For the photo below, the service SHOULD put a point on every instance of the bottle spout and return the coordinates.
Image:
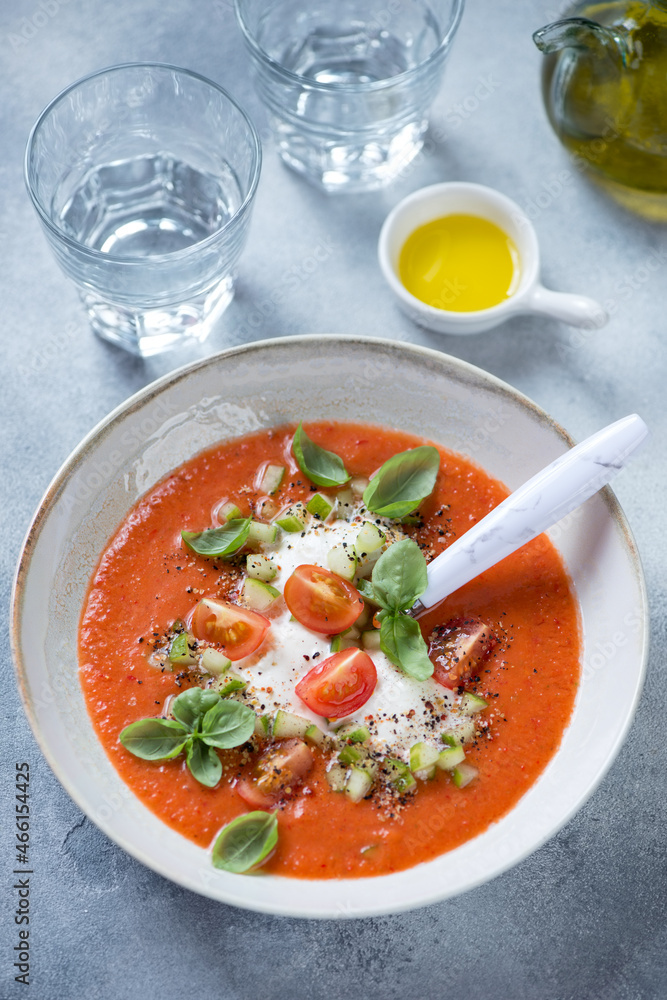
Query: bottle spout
(585, 35)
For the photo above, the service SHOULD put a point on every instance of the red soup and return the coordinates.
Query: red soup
(303, 582)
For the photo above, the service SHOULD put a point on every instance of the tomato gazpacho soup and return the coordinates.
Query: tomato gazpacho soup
(254, 666)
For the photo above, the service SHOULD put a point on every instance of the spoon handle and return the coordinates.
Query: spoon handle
(535, 506)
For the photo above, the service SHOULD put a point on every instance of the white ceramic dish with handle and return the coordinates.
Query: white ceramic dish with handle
(267, 384)
(529, 297)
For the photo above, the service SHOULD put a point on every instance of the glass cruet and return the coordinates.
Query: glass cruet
(605, 92)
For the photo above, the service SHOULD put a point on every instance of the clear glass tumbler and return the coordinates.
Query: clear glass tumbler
(143, 177)
(348, 83)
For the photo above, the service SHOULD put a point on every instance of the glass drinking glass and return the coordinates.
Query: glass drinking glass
(143, 177)
(348, 83)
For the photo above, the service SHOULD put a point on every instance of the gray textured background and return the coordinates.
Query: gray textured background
(584, 917)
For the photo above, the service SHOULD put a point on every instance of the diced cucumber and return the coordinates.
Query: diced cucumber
(366, 565)
(290, 523)
(464, 774)
(369, 539)
(293, 518)
(358, 784)
(342, 561)
(183, 648)
(258, 596)
(463, 732)
(266, 510)
(352, 755)
(337, 776)
(369, 766)
(259, 567)
(289, 726)
(400, 775)
(471, 704)
(450, 758)
(354, 732)
(345, 507)
(262, 534)
(272, 478)
(228, 512)
(423, 758)
(314, 735)
(358, 485)
(371, 639)
(263, 726)
(230, 684)
(364, 618)
(343, 641)
(320, 506)
(214, 662)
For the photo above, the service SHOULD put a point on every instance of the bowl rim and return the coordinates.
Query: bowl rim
(235, 896)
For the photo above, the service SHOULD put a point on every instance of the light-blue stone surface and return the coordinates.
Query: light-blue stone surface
(584, 918)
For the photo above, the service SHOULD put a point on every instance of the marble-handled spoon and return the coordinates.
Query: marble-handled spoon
(534, 507)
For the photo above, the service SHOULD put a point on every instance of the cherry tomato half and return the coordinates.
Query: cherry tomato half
(339, 685)
(279, 768)
(238, 630)
(457, 648)
(322, 601)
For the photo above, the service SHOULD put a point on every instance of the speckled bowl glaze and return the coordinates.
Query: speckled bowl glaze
(266, 384)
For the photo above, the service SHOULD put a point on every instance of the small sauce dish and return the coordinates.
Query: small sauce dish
(526, 293)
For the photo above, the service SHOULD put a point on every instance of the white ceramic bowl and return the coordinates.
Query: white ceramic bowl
(266, 384)
(530, 295)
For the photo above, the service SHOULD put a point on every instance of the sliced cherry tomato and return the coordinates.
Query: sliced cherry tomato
(339, 685)
(457, 649)
(237, 630)
(322, 601)
(278, 769)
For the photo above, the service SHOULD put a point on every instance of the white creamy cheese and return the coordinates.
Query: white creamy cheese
(400, 712)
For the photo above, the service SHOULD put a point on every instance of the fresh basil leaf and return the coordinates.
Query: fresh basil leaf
(154, 739)
(245, 842)
(402, 641)
(223, 541)
(194, 703)
(322, 467)
(366, 589)
(399, 576)
(204, 763)
(403, 482)
(228, 724)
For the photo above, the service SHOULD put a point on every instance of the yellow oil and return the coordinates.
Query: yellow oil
(459, 263)
(613, 117)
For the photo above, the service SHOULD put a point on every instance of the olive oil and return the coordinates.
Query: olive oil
(461, 263)
(605, 92)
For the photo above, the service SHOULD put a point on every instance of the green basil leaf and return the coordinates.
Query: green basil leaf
(245, 842)
(322, 467)
(403, 482)
(366, 589)
(154, 739)
(194, 703)
(204, 763)
(399, 576)
(402, 641)
(223, 541)
(228, 724)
